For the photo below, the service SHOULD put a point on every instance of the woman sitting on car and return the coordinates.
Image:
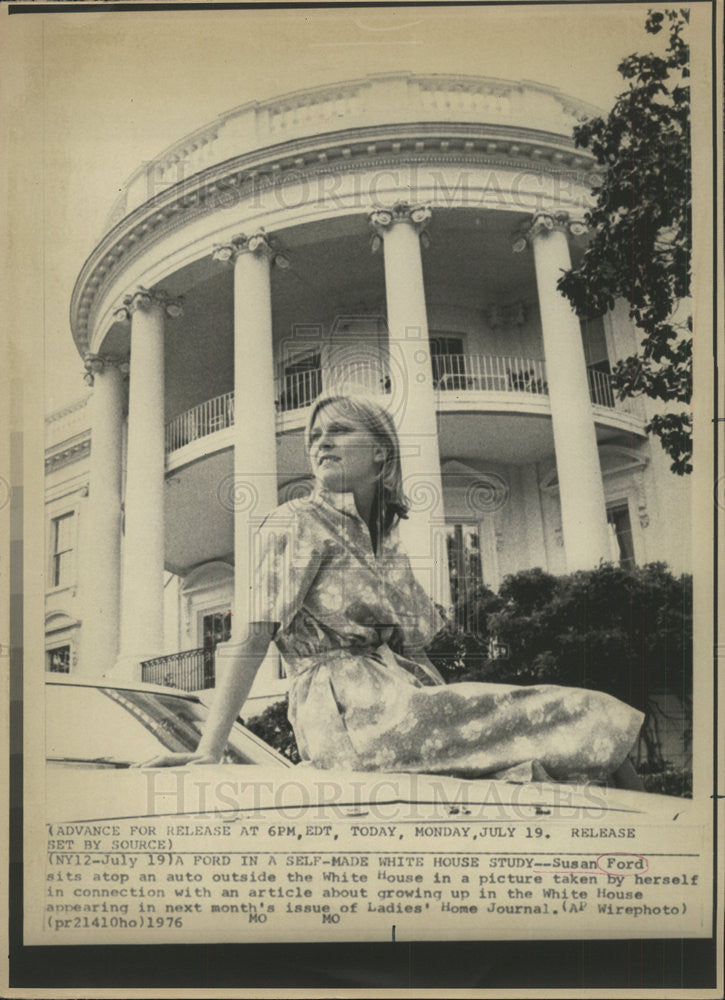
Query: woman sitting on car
(334, 589)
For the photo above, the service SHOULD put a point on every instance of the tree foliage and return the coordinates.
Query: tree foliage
(461, 651)
(273, 726)
(642, 229)
(627, 632)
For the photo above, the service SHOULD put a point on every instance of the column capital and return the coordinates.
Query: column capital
(261, 244)
(542, 223)
(382, 218)
(95, 364)
(144, 299)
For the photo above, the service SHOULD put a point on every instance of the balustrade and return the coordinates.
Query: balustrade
(189, 670)
(488, 373)
(602, 392)
(367, 101)
(452, 373)
(208, 417)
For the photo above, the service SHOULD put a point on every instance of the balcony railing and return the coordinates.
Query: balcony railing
(485, 373)
(206, 418)
(452, 373)
(602, 392)
(600, 388)
(297, 390)
(190, 670)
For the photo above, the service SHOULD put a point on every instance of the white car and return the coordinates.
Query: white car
(104, 725)
(97, 727)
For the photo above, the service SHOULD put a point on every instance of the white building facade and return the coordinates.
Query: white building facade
(399, 233)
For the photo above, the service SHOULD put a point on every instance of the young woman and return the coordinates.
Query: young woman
(334, 589)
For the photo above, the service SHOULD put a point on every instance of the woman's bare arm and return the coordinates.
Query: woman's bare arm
(240, 662)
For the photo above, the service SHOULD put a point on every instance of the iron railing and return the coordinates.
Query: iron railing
(189, 670)
(452, 373)
(208, 417)
(489, 373)
(297, 390)
(602, 392)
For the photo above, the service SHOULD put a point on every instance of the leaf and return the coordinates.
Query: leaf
(641, 247)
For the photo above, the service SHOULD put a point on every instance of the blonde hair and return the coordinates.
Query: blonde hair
(392, 501)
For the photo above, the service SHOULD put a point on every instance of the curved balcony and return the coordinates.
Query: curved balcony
(456, 378)
(453, 373)
(207, 418)
(297, 390)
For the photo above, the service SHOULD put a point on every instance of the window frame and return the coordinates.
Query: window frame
(56, 554)
(215, 609)
(56, 646)
(438, 335)
(623, 502)
(294, 392)
(479, 526)
(56, 513)
(437, 369)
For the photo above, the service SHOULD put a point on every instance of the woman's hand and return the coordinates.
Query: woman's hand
(242, 660)
(179, 759)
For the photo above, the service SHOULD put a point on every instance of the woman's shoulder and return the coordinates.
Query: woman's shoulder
(296, 527)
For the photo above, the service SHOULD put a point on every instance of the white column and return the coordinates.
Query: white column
(534, 525)
(142, 593)
(414, 400)
(252, 492)
(101, 569)
(581, 493)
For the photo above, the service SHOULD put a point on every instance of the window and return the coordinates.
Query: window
(464, 566)
(594, 342)
(446, 355)
(302, 381)
(62, 550)
(597, 359)
(57, 661)
(441, 344)
(216, 627)
(620, 535)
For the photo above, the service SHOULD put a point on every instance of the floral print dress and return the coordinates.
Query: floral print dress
(346, 618)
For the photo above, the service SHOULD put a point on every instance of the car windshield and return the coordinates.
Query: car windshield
(115, 727)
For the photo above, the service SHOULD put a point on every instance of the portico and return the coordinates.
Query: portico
(233, 313)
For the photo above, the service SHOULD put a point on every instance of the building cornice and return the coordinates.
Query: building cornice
(65, 411)
(313, 110)
(73, 450)
(301, 160)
